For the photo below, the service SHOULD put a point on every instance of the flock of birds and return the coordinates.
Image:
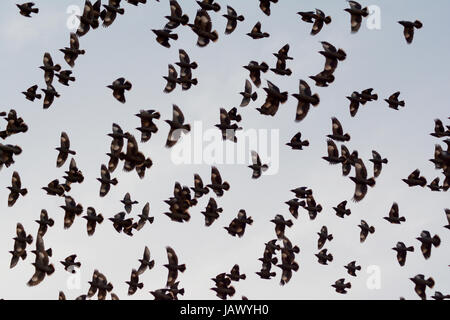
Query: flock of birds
(279, 252)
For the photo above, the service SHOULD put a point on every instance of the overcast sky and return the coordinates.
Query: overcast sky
(86, 110)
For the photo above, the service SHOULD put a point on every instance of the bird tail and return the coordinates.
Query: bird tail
(274, 260)
(128, 85)
(316, 98)
(121, 11)
(214, 36)
(182, 268)
(194, 65)
(242, 277)
(328, 20)
(330, 237)
(114, 181)
(305, 143)
(401, 103)
(375, 97)
(436, 241)
(385, 161)
(302, 203)
(29, 239)
(365, 12)
(319, 208)
(173, 36)
(418, 24)
(240, 18)
(194, 81)
(254, 96)
(49, 252)
(296, 249)
(181, 292)
(358, 268)
(289, 223)
(348, 285)
(100, 218)
(402, 219)
(430, 282)
(226, 186)
(342, 54)
(330, 257)
(410, 249)
(151, 219)
(372, 229)
(264, 67)
(38, 96)
(35, 10)
(184, 19)
(57, 67)
(51, 222)
(51, 269)
(140, 285)
(23, 191)
(371, 182)
(3, 134)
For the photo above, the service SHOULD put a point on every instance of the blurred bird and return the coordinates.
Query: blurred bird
(105, 181)
(144, 218)
(393, 101)
(365, 230)
(211, 212)
(255, 69)
(408, 29)
(421, 284)
(92, 219)
(248, 95)
(361, 181)
(352, 268)
(341, 286)
(44, 222)
(323, 237)
(232, 19)
(428, 242)
(26, 9)
(377, 163)
(176, 16)
(50, 94)
(49, 68)
(15, 189)
(20, 244)
(127, 202)
(163, 36)
(264, 5)
(64, 150)
(324, 257)
(202, 26)
(257, 166)
(41, 264)
(357, 12)
(332, 56)
(237, 225)
(118, 87)
(280, 225)
(273, 100)
(394, 215)
(414, 179)
(177, 127)
(402, 251)
(71, 209)
(341, 211)
(256, 32)
(71, 53)
(338, 133)
(133, 283)
(318, 18)
(173, 266)
(109, 14)
(305, 99)
(31, 94)
(70, 264)
(216, 183)
(146, 263)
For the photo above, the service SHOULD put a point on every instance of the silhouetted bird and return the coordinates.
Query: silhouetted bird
(134, 283)
(434, 185)
(323, 237)
(256, 32)
(198, 188)
(64, 77)
(257, 166)
(49, 68)
(421, 284)
(31, 94)
(318, 18)
(402, 251)
(355, 101)
(71, 209)
(15, 189)
(323, 78)
(361, 181)
(408, 29)
(305, 99)
(176, 16)
(99, 285)
(216, 183)
(127, 202)
(173, 266)
(64, 150)
(122, 224)
(172, 79)
(377, 163)
(341, 286)
(296, 142)
(70, 264)
(74, 175)
(333, 153)
(50, 94)
(248, 95)
(144, 218)
(264, 5)
(273, 100)
(105, 181)
(89, 18)
(118, 87)
(282, 57)
(235, 275)
(428, 242)
(324, 257)
(357, 12)
(341, 211)
(202, 26)
(237, 225)
(255, 71)
(92, 219)
(349, 160)
(365, 230)
(211, 212)
(164, 35)
(109, 14)
(20, 244)
(439, 130)
(209, 5)
(147, 127)
(228, 129)
(146, 263)
(41, 264)
(338, 133)
(414, 179)
(302, 192)
(352, 268)
(332, 56)
(71, 53)
(393, 101)
(294, 204)
(280, 225)
(232, 19)
(185, 64)
(44, 222)
(26, 9)
(439, 296)
(177, 127)
(311, 206)
(394, 215)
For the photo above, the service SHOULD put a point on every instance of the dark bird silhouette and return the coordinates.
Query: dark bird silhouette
(256, 32)
(15, 189)
(352, 268)
(202, 26)
(118, 87)
(92, 219)
(324, 257)
(105, 181)
(172, 79)
(357, 12)
(133, 283)
(248, 95)
(185, 64)
(257, 166)
(323, 78)
(421, 284)
(71, 53)
(122, 224)
(64, 150)
(434, 185)
(89, 18)
(109, 14)
(333, 153)
(232, 19)
(264, 5)
(302, 192)
(415, 179)
(361, 181)
(349, 160)
(146, 263)
(44, 222)
(341, 286)
(408, 29)
(439, 296)
(133, 158)
(209, 5)
(365, 230)
(137, 2)
(198, 188)
(393, 101)
(64, 77)
(216, 183)
(273, 100)
(54, 188)
(332, 56)
(41, 264)
(235, 274)
(147, 127)
(212, 212)
(378, 162)
(439, 130)
(223, 288)
(228, 129)
(70, 264)
(255, 69)
(99, 285)
(173, 267)
(7, 153)
(144, 218)
(50, 94)
(15, 125)
(296, 142)
(280, 225)
(368, 95)
(294, 204)
(176, 16)
(305, 100)
(163, 36)
(237, 225)
(318, 18)
(355, 101)
(31, 94)
(402, 251)
(127, 202)
(20, 244)
(341, 210)
(282, 56)
(323, 237)
(26, 9)
(338, 133)
(311, 206)
(49, 68)
(394, 215)
(71, 209)
(177, 127)
(118, 137)
(74, 175)
(428, 242)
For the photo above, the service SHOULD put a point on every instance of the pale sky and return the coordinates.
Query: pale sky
(86, 110)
